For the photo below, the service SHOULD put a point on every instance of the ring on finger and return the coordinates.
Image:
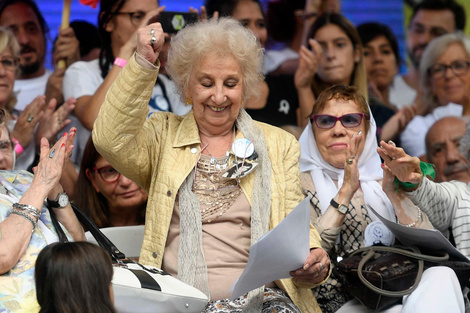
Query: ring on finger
(52, 153)
(30, 118)
(152, 40)
(321, 267)
(392, 158)
(349, 161)
(352, 157)
(152, 32)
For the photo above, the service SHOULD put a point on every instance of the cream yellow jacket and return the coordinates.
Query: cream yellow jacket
(159, 152)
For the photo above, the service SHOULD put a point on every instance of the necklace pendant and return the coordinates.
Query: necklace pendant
(224, 167)
(217, 166)
(212, 160)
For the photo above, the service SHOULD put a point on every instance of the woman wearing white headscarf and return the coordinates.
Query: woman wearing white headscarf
(341, 173)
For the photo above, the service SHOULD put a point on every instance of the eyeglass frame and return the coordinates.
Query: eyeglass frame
(16, 63)
(131, 16)
(12, 144)
(445, 66)
(99, 170)
(316, 116)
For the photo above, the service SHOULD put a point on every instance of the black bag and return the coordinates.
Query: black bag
(379, 276)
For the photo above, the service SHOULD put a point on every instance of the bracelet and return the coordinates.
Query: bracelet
(120, 62)
(18, 147)
(28, 209)
(415, 222)
(26, 216)
(426, 168)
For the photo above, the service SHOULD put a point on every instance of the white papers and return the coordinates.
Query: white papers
(282, 250)
(427, 239)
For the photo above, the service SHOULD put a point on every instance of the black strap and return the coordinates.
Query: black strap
(100, 238)
(146, 281)
(55, 223)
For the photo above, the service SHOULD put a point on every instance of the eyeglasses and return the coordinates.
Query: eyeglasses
(9, 63)
(6, 146)
(136, 17)
(108, 173)
(459, 68)
(350, 120)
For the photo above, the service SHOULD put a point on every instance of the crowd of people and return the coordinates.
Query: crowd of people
(210, 137)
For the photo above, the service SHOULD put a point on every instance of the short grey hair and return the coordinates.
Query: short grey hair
(432, 52)
(464, 147)
(221, 37)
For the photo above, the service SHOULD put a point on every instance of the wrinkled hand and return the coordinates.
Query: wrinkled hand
(312, 272)
(308, 64)
(54, 86)
(52, 160)
(405, 167)
(53, 121)
(24, 129)
(66, 47)
(144, 47)
(351, 171)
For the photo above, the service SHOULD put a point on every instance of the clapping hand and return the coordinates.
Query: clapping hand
(27, 121)
(308, 64)
(404, 167)
(52, 160)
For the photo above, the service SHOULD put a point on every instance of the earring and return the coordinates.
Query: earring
(189, 101)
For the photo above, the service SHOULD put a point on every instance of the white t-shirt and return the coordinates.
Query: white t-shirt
(413, 137)
(84, 78)
(274, 58)
(28, 89)
(401, 93)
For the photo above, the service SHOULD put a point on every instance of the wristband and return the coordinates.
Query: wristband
(18, 148)
(426, 168)
(120, 62)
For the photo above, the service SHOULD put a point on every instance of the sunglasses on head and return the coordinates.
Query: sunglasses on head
(350, 120)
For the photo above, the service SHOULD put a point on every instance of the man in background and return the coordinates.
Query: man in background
(25, 20)
(442, 149)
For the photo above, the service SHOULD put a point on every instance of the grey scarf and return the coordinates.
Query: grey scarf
(192, 268)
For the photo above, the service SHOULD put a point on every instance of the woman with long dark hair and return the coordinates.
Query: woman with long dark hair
(74, 277)
(107, 197)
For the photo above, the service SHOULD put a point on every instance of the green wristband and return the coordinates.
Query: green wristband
(426, 168)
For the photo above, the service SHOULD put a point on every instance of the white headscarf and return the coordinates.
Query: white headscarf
(323, 174)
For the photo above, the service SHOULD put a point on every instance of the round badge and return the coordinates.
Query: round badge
(377, 233)
(242, 148)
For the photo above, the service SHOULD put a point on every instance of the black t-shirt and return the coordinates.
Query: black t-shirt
(282, 103)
